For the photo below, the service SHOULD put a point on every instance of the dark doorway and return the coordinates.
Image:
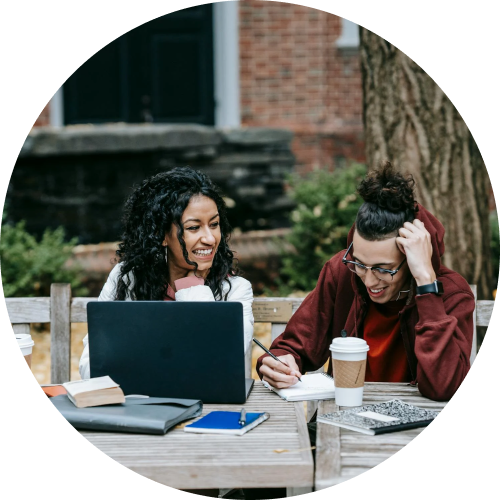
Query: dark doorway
(159, 72)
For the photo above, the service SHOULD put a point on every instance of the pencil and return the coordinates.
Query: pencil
(271, 354)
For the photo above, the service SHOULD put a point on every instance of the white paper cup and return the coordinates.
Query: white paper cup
(25, 343)
(349, 367)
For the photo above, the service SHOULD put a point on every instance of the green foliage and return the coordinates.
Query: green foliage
(495, 245)
(327, 204)
(30, 266)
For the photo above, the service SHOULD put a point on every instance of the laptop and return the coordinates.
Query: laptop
(191, 350)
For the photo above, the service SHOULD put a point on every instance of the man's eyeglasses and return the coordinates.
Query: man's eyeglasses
(361, 269)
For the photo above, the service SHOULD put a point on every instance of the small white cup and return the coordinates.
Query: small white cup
(25, 343)
(349, 366)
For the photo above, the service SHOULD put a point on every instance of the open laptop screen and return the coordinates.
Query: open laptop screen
(170, 349)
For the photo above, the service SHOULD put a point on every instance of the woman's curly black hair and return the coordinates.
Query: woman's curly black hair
(148, 215)
(388, 203)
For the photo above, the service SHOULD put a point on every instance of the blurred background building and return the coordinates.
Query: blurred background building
(230, 64)
(250, 92)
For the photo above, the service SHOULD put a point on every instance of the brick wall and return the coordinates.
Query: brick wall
(293, 76)
(44, 118)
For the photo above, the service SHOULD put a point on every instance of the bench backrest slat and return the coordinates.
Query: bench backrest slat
(484, 310)
(79, 309)
(60, 310)
(29, 309)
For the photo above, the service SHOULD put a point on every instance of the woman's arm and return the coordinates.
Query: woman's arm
(108, 293)
(241, 291)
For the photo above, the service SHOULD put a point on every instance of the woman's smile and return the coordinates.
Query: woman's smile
(202, 235)
(204, 254)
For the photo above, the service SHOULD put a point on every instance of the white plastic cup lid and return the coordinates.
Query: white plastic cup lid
(349, 344)
(24, 340)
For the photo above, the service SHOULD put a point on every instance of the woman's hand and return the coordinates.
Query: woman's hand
(277, 374)
(415, 242)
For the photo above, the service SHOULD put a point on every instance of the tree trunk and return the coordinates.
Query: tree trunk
(410, 122)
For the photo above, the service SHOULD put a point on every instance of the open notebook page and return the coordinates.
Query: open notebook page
(313, 386)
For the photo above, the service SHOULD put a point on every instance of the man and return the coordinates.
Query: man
(390, 288)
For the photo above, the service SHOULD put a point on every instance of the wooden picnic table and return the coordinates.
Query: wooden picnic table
(342, 454)
(195, 461)
(199, 461)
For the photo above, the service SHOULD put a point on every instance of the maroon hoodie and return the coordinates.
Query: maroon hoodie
(437, 330)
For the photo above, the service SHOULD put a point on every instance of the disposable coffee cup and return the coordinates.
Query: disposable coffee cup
(25, 343)
(349, 367)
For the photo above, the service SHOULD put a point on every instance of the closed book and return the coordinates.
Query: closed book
(391, 416)
(137, 415)
(52, 390)
(94, 392)
(226, 422)
(314, 386)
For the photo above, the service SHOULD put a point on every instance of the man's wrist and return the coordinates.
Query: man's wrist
(436, 287)
(425, 279)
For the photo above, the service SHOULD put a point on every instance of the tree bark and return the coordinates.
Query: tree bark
(409, 121)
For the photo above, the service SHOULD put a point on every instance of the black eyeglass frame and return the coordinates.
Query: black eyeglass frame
(390, 272)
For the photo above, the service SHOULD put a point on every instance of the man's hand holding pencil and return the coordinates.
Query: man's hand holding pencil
(279, 371)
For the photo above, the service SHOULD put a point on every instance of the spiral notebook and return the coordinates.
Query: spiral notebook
(313, 386)
(391, 416)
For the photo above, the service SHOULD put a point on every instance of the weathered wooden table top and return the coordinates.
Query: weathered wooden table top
(191, 461)
(342, 454)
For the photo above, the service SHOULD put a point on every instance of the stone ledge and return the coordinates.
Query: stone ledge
(117, 138)
(257, 136)
(203, 141)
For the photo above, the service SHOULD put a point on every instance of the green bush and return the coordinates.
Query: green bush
(327, 204)
(29, 266)
(495, 245)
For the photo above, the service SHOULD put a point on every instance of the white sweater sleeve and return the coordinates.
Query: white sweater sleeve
(241, 291)
(107, 294)
(198, 293)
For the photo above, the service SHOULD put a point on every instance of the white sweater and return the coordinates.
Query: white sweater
(241, 291)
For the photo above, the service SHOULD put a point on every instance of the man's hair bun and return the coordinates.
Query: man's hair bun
(388, 189)
(389, 203)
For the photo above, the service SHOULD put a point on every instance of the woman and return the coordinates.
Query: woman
(175, 247)
(390, 288)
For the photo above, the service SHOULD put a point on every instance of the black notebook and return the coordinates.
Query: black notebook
(138, 415)
(392, 416)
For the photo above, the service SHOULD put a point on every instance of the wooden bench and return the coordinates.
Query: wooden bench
(61, 309)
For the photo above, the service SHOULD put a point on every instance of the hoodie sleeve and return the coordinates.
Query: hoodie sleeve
(306, 336)
(443, 342)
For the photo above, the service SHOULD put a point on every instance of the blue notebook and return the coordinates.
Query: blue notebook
(226, 422)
